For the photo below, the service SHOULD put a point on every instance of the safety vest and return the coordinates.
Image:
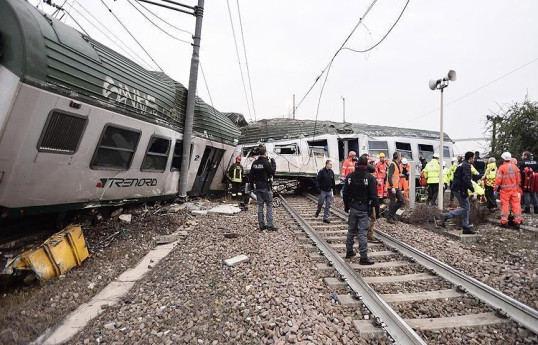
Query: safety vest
(508, 176)
(491, 173)
(451, 172)
(237, 173)
(347, 167)
(445, 176)
(477, 189)
(381, 170)
(395, 176)
(473, 170)
(432, 171)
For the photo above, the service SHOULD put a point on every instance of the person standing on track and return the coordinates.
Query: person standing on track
(509, 180)
(261, 175)
(360, 193)
(326, 185)
(393, 186)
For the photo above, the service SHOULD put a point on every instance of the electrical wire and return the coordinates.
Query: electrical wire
(157, 26)
(109, 10)
(338, 51)
(72, 18)
(239, 60)
(473, 91)
(246, 60)
(164, 21)
(206, 86)
(382, 39)
(133, 57)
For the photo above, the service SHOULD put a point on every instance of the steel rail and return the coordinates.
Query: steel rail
(398, 329)
(517, 311)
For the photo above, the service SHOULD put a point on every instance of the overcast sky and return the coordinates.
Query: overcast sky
(289, 43)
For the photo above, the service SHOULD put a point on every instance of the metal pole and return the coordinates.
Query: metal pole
(441, 194)
(294, 106)
(344, 108)
(189, 115)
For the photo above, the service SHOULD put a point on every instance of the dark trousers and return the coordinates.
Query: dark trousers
(433, 190)
(395, 205)
(490, 197)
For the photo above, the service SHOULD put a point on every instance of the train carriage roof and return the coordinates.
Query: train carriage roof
(281, 129)
(49, 54)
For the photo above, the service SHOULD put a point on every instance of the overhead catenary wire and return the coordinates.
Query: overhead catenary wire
(157, 26)
(471, 92)
(126, 50)
(246, 60)
(162, 20)
(239, 60)
(132, 36)
(206, 86)
(383, 38)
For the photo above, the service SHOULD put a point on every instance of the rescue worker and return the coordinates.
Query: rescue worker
(404, 179)
(393, 186)
(373, 210)
(445, 176)
(461, 186)
(423, 163)
(479, 165)
(348, 166)
(381, 175)
(455, 161)
(326, 185)
(489, 177)
(509, 180)
(261, 175)
(432, 174)
(359, 195)
(235, 173)
(529, 172)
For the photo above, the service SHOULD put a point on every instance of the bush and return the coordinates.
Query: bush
(423, 214)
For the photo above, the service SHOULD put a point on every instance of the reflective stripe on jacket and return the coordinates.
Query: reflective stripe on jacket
(432, 171)
(395, 177)
(508, 176)
(347, 167)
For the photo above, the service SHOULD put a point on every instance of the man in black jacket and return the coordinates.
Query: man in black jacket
(261, 173)
(326, 185)
(528, 167)
(360, 193)
(460, 187)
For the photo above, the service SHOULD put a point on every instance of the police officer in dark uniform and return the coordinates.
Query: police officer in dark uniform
(261, 174)
(360, 193)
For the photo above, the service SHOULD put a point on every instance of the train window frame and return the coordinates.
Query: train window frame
(46, 127)
(430, 153)
(250, 150)
(155, 154)
(106, 126)
(314, 147)
(297, 151)
(374, 152)
(446, 148)
(174, 155)
(408, 154)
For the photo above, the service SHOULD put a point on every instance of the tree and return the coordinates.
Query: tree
(514, 130)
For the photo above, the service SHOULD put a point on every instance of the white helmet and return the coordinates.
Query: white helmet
(454, 159)
(506, 156)
(444, 164)
(435, 155)
(404, 161)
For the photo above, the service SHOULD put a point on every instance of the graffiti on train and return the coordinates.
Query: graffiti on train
(126, 182)
(129, 96)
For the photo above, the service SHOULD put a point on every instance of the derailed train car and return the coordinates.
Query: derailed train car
(301, 147)
(83, 126)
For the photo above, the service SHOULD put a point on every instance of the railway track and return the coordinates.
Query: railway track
(406, 293)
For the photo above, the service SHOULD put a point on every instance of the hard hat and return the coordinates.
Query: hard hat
(453, 159)
(435, 155)
(352, 153)
(506, 156)
(381, 155)
(404, 161)
(238, 159)
(444, 163)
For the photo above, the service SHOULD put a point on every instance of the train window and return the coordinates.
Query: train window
(446, 151)
(178, 156)
(377, 147)
(405, 150)
(425, 151)
(116, 148)
(318, 148)
(291, 149)
(157, 155)
(62, 133)
(250, 151)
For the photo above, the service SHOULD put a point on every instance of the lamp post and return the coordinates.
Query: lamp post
(344, 108)
(440, 84)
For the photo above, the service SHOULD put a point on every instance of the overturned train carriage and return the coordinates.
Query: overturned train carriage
(83, 126)
(301, 147)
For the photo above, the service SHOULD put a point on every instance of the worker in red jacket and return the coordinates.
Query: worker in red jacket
(509, 180)
(349, 165)
(381, 175)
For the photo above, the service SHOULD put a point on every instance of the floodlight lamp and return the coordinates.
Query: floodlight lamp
(451, 75)
(433, 83)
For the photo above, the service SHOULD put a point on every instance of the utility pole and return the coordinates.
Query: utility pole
(189, 116)
(294, 106)
(493, 120)
(344, 108)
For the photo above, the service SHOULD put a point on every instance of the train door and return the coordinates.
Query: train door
(206, 170)
(346, 145)
(319, 151)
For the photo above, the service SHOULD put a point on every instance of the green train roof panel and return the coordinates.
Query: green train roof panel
(282, 129)
(49, 54)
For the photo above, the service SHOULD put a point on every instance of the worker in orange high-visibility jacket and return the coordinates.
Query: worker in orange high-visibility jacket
(349, 165)
(404, 179)
(381, 175)
(509, 179)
